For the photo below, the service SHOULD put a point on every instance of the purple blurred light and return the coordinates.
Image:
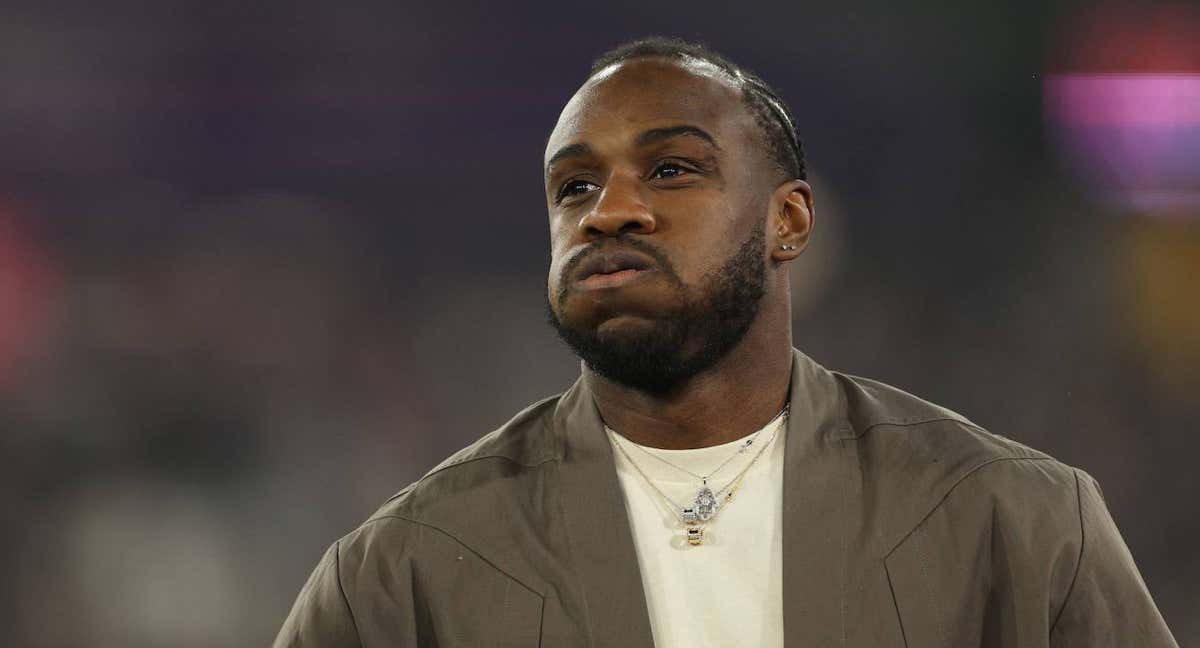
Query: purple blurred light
(1134, 137)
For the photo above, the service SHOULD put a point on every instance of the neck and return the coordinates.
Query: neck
(739, 394)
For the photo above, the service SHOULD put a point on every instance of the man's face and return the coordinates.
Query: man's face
(655, 186)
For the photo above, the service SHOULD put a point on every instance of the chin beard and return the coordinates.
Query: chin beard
(662, 355)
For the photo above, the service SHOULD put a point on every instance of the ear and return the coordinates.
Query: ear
(791, 219)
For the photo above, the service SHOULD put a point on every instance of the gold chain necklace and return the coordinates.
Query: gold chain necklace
(706, 504)
(741, 449)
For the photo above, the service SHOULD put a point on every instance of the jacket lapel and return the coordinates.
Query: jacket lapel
(601, 541)
(819, 491)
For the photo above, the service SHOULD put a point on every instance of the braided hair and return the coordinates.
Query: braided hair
(770, 113)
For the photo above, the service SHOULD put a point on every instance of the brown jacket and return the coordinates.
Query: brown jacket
(904, 524)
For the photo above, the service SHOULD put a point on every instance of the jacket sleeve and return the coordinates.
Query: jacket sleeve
(321, 615)
(1108, 604)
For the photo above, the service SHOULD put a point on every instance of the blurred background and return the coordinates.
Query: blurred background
(262, 266)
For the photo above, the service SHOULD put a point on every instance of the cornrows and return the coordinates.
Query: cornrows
(769, 110)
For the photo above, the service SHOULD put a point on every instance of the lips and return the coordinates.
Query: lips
(609, 263)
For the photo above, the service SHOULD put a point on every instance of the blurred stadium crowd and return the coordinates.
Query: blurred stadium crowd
(262, 267)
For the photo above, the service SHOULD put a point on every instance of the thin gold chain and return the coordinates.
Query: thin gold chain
(740, 450)
(735, 482)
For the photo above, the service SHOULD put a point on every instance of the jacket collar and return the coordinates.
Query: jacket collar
(818, 489)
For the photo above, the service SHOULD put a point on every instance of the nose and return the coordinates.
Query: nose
(619, 209)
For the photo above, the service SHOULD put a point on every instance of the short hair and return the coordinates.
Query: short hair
(774, 120)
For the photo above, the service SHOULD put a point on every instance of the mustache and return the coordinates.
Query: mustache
(621, 241)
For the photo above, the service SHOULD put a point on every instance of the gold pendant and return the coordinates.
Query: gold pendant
(695, 535)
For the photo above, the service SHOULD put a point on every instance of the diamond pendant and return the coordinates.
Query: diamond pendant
(706, 504)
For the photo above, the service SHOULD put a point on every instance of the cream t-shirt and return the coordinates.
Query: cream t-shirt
(727, 591)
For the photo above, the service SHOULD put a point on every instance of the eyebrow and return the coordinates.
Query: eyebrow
(656, 135)
(652, 136)
(569, 151)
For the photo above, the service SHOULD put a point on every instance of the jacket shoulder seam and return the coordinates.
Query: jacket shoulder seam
(492, 455)
(458, 540)
(408, 490)
(337, 569)
(945, 496)
(464, 462)
(910, 422)
(1079, 560)
(1010, 445)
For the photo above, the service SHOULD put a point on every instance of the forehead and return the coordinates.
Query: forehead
(631, 96)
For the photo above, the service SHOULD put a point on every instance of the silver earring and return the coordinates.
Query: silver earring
(787, 247)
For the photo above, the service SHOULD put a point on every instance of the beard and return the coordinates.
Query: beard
(689, 339)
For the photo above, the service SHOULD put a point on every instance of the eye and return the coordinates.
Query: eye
(669, 170)
(575, 188)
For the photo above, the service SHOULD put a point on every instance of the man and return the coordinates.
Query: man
(703, 483)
